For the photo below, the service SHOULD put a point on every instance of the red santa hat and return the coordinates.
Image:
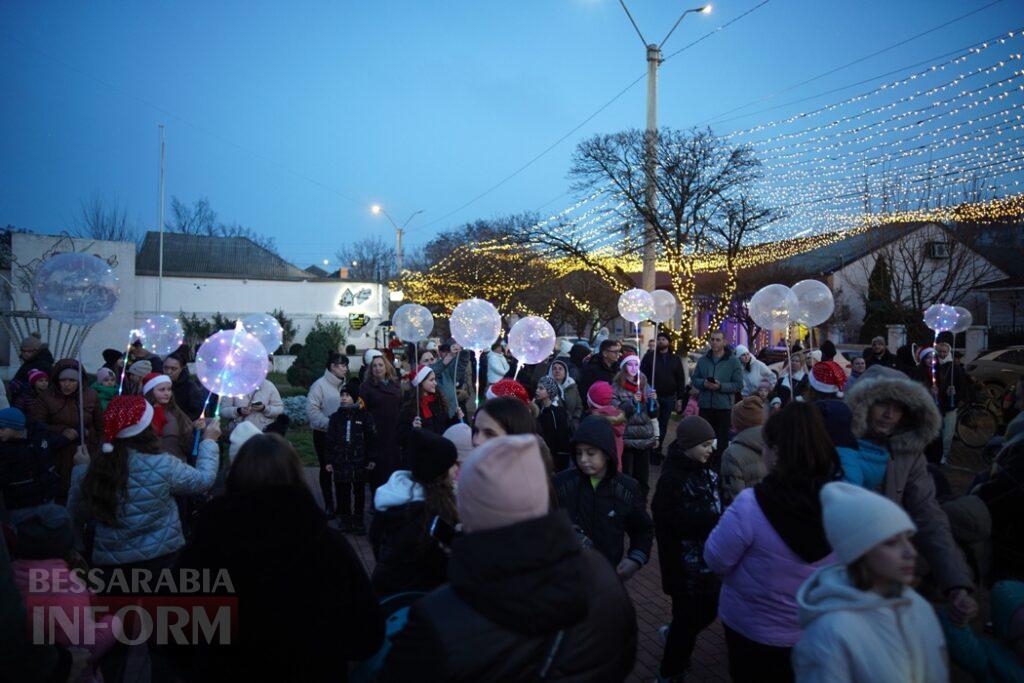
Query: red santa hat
(828, 378)
(508, 387)
(125, 417)
(153, 380)
(421, 374)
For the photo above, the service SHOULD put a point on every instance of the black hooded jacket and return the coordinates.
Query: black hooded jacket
(304, 604)
(188, 393)
(525, 603)
(615, 508)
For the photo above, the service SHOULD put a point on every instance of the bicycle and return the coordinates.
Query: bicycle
(978, 420)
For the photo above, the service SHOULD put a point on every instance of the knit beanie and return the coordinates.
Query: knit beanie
(460, 434)
(693, 431)
(600, 394)
(748, 413)
(503, 482)
(551, 386)
(369, 355)
(741, 349)
(36, 375)
(111, 356)
(105, 373)
(140, 369)
(856, 519)
(432, 455)
(508, 387)
(12, 418)
(242, 432)
(45, 534)
(125, 417)
(31, 343)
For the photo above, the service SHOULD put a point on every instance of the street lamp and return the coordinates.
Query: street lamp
(378, 209)
(653, 61)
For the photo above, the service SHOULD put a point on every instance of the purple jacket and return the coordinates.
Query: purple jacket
(760, 574)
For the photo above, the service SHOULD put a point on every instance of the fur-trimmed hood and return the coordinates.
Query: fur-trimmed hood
(921, 421)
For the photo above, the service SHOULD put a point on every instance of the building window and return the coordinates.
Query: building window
(938, 250)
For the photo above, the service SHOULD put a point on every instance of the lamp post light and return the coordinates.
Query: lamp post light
(399, 231)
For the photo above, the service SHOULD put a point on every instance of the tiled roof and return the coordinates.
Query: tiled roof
(205, 256)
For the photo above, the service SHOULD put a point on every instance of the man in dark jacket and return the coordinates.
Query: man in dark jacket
(139, 352)
(669, 382)
(602, 365)
(878, 354)
(28, 473)
(525, 602)
(188, 393)
(718, 377)
(605, 504)
(34, 356)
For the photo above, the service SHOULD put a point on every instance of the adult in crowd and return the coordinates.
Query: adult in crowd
(408, 558)
(382, 395)
(577, 356)
(502, 416)
(670, 382)
(857, 367)
(863, 621)
(686, 507)
(60, 415)
(769, 541)
(793, 383)
(34, 356)
(634, 397)
(445, 368)
(189, 394)
(263, 408)
(908, 358)
(949, 390)
(127, 495)
(605, 504)
(602, 365)
(1001, 493)
(304, 597)
(171, 425)
(113, 360)
(718, 377)
(553, 421)
(524, 600)
(878, 354)
(322, 401)
(135, 376)
(825, 381)
(560, 371)
(137, 352)
(497, 364)
(743, 464)
(427, 407)
(892, 412)
(755, 372)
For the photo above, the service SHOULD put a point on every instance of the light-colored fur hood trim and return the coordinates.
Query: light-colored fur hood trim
(921, 422)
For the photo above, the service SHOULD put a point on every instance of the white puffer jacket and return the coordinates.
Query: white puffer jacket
(854, 635)
(752, 378)
(323, 400)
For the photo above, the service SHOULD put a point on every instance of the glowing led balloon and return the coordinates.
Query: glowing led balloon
(940, 317)
(773, 307)
(531, 340)
(475, 324)
(665, 305)
(265, 328)
(413, 323)
(815, 302)
(964, 320)
(76, 288)
(636, 306)
(161, 334)
(232, 362)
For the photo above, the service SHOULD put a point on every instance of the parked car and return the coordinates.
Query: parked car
(998, 370)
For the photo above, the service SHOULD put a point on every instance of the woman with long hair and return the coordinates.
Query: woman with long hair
(411, 507)
(769, 541)
(639, 403)
(427, 408)
(60, 414)
(382, 394)
(502, 416)
(170, 423)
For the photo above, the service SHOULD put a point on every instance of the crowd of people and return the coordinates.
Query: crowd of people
(508, 508)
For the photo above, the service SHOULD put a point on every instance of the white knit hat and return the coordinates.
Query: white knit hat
(370, 354)
(856, 519)
(242, 432)
(741, 349)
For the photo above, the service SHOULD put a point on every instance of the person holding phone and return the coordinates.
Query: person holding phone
(262, 407)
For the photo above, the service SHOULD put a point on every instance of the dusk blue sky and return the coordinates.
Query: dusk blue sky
(293, 118)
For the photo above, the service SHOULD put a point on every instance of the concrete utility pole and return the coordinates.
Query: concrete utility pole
(160, 273)
(399, 231)
(648, 278)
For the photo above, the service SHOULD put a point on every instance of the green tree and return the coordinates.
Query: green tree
(323, 339)
(196, 331)
(879, 310)
(288, 329)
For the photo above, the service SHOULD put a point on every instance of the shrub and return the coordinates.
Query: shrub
(295, 409)
(295, 349)
(310, 362)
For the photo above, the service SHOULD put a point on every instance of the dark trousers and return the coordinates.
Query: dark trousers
(721, 422)
(320, 446)
(691, 614)
(346, 491)
(751, 662)
(636, 462)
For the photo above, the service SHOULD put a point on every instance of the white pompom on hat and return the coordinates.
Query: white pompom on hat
(856, 519)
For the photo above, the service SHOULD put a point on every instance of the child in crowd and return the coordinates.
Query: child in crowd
(599, 400)
(605, 504)
(553, 421)
(43, 572)
(862, 620)
(992, 660)
(350, 454)
(28, 475)
(105, 386)
(743, 464)
(686, 507)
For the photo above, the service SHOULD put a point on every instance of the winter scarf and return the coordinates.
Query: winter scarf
(794, 511)
(105, 393)
(426, 401)
(159, 419)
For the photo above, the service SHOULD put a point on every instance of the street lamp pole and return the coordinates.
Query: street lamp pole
(399, 231)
